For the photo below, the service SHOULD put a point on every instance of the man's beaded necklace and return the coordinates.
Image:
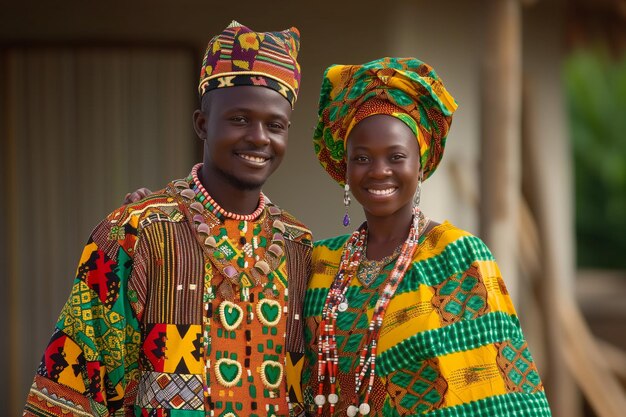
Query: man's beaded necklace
(215, 208)
(327, 355)
(208, 220)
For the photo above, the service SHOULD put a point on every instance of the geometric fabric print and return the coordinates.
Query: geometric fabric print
(47, 398)
(517, 367)
(153, 349)
(64, 362)
(99, 273)
(95, 375)
(102, 334)
(117, 233)
(173, 348)
(183, 345)
(293, 373)
(461, 296)
(418, 389)
(170, 391)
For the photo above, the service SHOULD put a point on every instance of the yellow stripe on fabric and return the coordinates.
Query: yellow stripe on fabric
(322, 280)
(497, 300)
(447, 235)
(181, 347)
(408, 314)
(471, 375)
(324, 271)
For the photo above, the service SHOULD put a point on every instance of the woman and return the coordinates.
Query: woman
(405, 316)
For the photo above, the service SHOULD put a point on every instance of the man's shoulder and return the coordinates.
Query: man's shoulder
(295, 230)
(158, 206)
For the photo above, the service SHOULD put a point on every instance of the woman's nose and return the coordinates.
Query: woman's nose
(380, 169)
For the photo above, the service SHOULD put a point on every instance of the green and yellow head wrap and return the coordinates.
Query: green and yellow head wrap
(405, 88)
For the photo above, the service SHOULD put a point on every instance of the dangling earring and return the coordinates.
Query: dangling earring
(418, 193)
(346, 203)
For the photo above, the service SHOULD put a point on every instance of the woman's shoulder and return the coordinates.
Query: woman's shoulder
(446, 237)
(329, 249)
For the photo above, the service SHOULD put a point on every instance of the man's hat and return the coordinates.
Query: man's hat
(240, 56)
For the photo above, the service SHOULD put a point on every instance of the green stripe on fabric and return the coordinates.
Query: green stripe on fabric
(316, 297)
(456, 257)
(507, 405)
(273, 61)
(314, 302)
(332, 243)
(460, 336)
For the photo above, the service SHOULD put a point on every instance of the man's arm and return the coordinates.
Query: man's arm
(92, 354)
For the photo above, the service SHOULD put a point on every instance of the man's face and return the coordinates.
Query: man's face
(245, 131)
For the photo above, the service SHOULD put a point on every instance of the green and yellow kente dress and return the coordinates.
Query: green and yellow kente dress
(450, 345)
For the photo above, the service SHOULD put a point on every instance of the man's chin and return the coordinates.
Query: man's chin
(244, 183)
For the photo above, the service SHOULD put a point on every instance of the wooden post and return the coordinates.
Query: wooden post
(549, 196)
(501, 124)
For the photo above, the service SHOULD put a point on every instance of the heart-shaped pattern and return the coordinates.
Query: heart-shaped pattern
(228, 372)
(271, 374)
(268, 311)
(231, 315)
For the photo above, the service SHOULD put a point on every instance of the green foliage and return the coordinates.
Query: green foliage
(596, 93)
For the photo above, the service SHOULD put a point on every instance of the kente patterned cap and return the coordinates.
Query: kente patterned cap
(240, 56)
(405, 88)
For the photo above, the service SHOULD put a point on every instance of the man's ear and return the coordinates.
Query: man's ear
(199, 123)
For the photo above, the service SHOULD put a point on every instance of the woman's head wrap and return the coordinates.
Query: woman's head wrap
(240, 56)
(405, 88)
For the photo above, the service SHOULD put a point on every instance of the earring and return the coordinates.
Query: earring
(418, 193)
(346, 203)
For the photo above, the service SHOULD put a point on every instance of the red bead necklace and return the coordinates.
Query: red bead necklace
(327, 355)
(216, 209)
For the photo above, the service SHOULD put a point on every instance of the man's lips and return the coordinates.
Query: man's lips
(254, 158)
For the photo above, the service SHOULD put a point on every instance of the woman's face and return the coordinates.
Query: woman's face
(383, 165)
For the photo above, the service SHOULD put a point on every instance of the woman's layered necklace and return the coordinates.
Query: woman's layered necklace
(327, 355)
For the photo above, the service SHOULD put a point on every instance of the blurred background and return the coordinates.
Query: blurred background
(96, 100)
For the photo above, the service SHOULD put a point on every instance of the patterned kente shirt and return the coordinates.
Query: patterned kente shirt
(153, 327)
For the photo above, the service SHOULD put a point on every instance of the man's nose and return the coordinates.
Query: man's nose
(258, 134)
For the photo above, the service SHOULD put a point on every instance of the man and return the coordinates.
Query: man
(188, 302)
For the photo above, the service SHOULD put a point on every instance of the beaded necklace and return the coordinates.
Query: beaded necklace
(224, 257)
(369, 270)
(215, 208)
(327, 355)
